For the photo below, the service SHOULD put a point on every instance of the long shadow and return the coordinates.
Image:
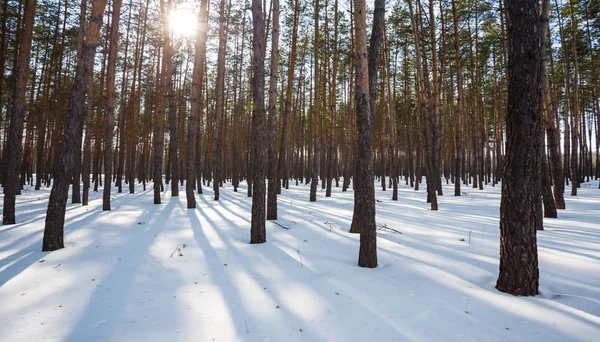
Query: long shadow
(490, 268)
(32, 253)
(221, 278)
(483, 284)
(103, 313)
(555, 246)
(29, 255)
(269, 273)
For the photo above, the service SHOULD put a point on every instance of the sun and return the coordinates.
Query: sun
(183, 23)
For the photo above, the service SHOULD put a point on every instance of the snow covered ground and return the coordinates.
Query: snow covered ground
(121, 277)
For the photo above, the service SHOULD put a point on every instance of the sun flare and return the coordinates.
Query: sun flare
(183, 23)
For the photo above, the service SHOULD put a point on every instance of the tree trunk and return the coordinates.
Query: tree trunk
(258, 233)
(363, 218)
(195, 112)
(110, 103)
(11, 183)
(575, 111)
(459, 106)
(119, 160)
(519, 273)
(316, 108)
(87, 147)
(287, 107)
(219, 106)
(555, 167)
(272, 124)
(55, 216)
(170, 97)
(333, 100)
(159, 126)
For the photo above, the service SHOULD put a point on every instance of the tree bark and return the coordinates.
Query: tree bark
(11, 183)
(519, 273)
(170, 97)
(55, 216)
(110, 104)
(363, 218)
(459, 105)
(287, 107)
(333, 103)
(219, 106)
(258, 233)
(316, 109)
(272, 124)
(195, 112)
(575, 174)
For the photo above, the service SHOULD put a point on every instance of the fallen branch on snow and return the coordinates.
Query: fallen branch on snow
(385, 227)
(178, 249)
(281, 225)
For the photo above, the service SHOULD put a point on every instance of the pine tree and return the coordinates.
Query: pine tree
(519, 273)
(363, 218)
(258, 232)
(55, 216)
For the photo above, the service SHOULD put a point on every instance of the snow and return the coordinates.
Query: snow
(121, 277)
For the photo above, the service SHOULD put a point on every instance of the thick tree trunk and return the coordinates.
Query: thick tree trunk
(11, 184)
(258, 233)
(55, 216)
(519, 273)
(363, 218)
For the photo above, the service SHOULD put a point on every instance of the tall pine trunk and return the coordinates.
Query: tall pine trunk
(55, 216)
(11, 184)
(363, 218)
(287, 107)
(195, 112)
(170, 97)
(258, 233)
(110, 104)
(519, 273)
(272, 122)
(217, 166)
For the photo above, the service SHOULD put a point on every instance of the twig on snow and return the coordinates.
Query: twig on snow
(281, 225)
(178, 249)
(385, 227)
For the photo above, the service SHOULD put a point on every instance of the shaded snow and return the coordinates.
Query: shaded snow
(115, 280)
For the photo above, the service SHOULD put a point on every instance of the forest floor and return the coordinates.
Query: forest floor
(145, 272)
